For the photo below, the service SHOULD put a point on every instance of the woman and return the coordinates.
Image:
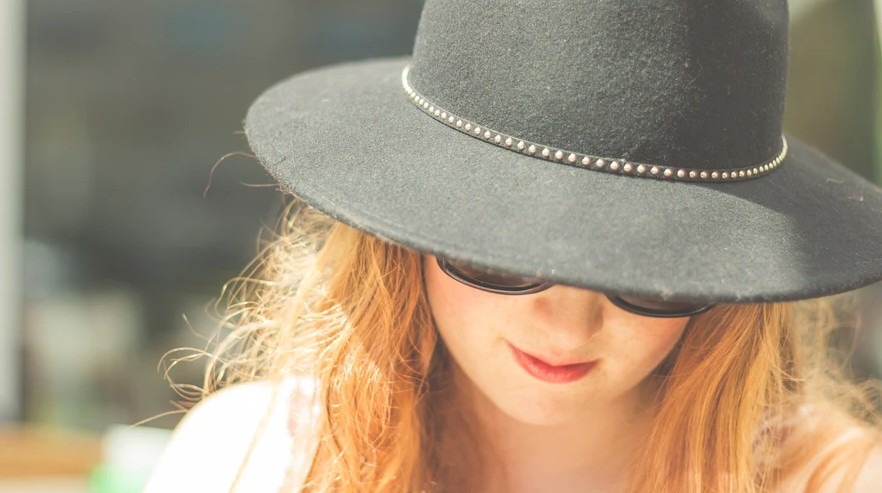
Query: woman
(563, 250)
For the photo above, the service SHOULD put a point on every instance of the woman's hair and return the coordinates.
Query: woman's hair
(751, 393)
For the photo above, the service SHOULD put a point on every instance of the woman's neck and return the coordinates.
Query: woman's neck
(593, 453)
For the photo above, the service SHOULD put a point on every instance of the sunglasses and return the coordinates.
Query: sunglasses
(502, 283)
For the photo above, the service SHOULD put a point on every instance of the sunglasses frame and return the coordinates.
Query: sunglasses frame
(538, 286)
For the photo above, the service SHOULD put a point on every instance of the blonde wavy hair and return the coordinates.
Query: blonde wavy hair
(749, 396)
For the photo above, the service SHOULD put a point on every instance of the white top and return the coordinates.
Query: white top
(208, 447)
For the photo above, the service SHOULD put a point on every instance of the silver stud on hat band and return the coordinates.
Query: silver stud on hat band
(588, 161)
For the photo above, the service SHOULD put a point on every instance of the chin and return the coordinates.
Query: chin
(540, 410)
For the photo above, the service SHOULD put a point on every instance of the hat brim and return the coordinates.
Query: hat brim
(348, 141)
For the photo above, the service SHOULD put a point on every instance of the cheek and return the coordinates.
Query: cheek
(645, 343)
(461, 313)
(471, 323)
(441, 298)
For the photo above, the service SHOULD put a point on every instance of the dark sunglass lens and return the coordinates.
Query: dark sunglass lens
(509, 283)
(490, 277)
(659, 306)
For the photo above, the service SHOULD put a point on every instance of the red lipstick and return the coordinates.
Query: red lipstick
(551, 373)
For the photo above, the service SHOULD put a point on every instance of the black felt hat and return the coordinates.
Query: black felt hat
(625, 146)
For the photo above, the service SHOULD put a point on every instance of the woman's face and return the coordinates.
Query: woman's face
(487, 334)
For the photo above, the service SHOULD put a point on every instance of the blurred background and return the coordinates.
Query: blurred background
(117, 231)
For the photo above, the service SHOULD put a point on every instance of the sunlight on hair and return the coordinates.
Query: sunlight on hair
(750, 391)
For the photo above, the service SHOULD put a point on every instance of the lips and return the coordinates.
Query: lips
(542, 370)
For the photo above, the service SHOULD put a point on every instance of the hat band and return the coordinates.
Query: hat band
(587, 161)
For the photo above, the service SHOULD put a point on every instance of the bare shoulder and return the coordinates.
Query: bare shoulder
(870, 478)
(210, 445)
(856, 453)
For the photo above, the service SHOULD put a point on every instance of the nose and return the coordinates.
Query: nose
(568, 316)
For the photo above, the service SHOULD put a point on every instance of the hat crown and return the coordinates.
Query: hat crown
(698, 83)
